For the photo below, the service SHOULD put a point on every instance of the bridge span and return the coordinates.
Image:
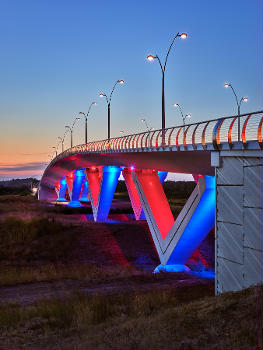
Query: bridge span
(226, 159)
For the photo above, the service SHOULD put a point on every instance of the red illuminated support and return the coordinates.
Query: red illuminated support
(93, 177)
(69, 181)
(153, 190)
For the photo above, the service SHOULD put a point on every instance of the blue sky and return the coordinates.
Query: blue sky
(58, 55)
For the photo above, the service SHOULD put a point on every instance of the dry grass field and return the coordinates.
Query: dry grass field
(69, 283)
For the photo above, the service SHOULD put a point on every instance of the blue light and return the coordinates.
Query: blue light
(85, 192)
(198, 227)
(162, 176)
(74, 204)
(78, 179)
(204, 274)
(171, 268)
(109, 182)
(62, 191)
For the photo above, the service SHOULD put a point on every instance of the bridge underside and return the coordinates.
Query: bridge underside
(186, 162)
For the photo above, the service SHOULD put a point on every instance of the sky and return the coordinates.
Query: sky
(58, 55)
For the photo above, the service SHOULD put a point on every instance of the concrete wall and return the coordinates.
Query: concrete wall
(239, 219)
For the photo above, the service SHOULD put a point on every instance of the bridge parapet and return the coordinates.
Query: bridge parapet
(226, 133)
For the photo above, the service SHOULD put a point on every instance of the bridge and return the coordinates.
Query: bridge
(224, 156)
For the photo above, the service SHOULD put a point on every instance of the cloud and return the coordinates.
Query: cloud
(33, 166)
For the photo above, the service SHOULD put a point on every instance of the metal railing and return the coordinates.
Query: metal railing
(213, 133)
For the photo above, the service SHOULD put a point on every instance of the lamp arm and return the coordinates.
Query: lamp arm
(112, 91)
(169, 51)
(160, 63)
(235, 95)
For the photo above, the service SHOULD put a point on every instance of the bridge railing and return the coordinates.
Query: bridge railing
(246, 127)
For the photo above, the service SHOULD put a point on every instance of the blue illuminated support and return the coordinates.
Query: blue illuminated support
(200, 224)
(162, 176)
(78, 179)
(85, 192)
(62, 191)
(176, 240)
(108, 185)
(198, 227)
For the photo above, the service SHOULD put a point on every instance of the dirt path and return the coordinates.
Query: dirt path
(26, 294)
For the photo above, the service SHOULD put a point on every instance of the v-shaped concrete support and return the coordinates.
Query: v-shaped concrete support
(133, 193)
(176, 240)
(74, 184)
(102, 183)
(61, 190)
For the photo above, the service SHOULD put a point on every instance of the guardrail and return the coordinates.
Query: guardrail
(247, 127)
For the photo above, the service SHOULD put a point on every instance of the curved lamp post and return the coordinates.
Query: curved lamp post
(86, 120)
(184, 116)
(71, 130)
(109, 102)
(143, 120)
(163, 67)
(243, 99)
(55, 149)
(62, 142)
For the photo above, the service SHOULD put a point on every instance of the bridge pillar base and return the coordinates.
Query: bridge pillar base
(239, 219)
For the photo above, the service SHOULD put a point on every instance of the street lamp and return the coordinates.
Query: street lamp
(163, 67)
(181, 112)
(86, 120)
(55, 148)
(71, 131)
(143, 120)
(109, 102)
(62, 142)
(243, 99)
(121, 132)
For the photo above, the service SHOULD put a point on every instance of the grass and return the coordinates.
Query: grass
(35, 239)
(14, 275)
(152, 320)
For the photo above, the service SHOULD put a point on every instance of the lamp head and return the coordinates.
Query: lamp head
(121, 81)
(94, 103)
(183, 35)
(245, 99)
(150, 57)
(67, 126)
(78, 118)
(226, 85)
(143, 120)
(188, 115)
(175, 104)
(121, 132)
(81, 113)
(102, 95)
